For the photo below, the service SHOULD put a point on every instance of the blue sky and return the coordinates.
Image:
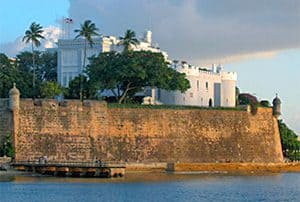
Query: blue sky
(259, 39)
(17, 15)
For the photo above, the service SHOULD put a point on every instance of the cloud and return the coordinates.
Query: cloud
(200, 31)
(51, 34)
(238, 57)
(12, 48)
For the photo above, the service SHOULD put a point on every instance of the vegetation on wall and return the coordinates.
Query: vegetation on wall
(265, 103)
(50, 89)
(290, 143)
(7, 149)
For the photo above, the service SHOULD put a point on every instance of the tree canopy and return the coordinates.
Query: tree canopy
(33, 35)
(81, 83)
(129, 40)
(289, 142)
(87, 30)
(19, 70)
(129, 72)
(50, 89)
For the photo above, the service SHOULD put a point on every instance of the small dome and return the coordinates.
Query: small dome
(14, 90)
(276, 100)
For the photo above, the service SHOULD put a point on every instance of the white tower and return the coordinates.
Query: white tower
(148, 37)
(228, 84)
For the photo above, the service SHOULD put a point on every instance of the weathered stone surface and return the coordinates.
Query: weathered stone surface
(77, 132)
(6, 122)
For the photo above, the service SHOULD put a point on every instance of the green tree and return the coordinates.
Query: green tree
(8, 75)
(265, 103)
(48, 66)
(33, 35)
(129, 72)
(247, 99)
(81, 84)
(129, 40)
(289, 142)
(23, 64)
(7, 148)
(87, 30)
(50, 89)
(45, 63)
(237, 93)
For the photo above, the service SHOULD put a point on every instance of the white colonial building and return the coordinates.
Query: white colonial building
(70, 53)
(209, 87)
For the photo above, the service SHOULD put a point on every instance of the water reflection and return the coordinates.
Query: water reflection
(155, 187)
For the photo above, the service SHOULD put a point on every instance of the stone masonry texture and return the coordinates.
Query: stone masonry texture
(6, 123)
(75, 132)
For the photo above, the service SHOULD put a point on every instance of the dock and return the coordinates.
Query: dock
(72, 169)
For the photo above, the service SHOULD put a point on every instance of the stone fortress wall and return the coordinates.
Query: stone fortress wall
(6, 124)
(76, 131)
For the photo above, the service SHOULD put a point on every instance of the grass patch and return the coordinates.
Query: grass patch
(175, 107)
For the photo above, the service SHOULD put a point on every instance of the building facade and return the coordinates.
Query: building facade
(70, 53)
(209, 86)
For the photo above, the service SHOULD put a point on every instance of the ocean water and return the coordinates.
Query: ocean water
(154, 187)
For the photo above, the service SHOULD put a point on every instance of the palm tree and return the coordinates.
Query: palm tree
(87, 30)
(129, 39)
(33, 36)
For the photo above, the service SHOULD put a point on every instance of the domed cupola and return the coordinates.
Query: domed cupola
(276, 107)
(14, 90)
(14, 98)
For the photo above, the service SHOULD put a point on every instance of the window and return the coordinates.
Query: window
(206, 85)
(197, 85)
(191, 95)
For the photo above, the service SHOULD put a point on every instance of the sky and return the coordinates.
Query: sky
(259, 39)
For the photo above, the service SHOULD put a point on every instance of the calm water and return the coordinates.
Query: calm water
(154, 187)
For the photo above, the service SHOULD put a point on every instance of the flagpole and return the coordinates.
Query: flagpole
(68, 22)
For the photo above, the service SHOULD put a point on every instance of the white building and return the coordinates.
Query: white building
(70, 53)
(209, 87)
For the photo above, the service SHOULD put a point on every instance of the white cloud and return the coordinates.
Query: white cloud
(51, 34)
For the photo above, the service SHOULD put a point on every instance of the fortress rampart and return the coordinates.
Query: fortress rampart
(6, 124)
(75, 131)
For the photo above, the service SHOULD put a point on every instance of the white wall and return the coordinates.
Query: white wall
(205, 86)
